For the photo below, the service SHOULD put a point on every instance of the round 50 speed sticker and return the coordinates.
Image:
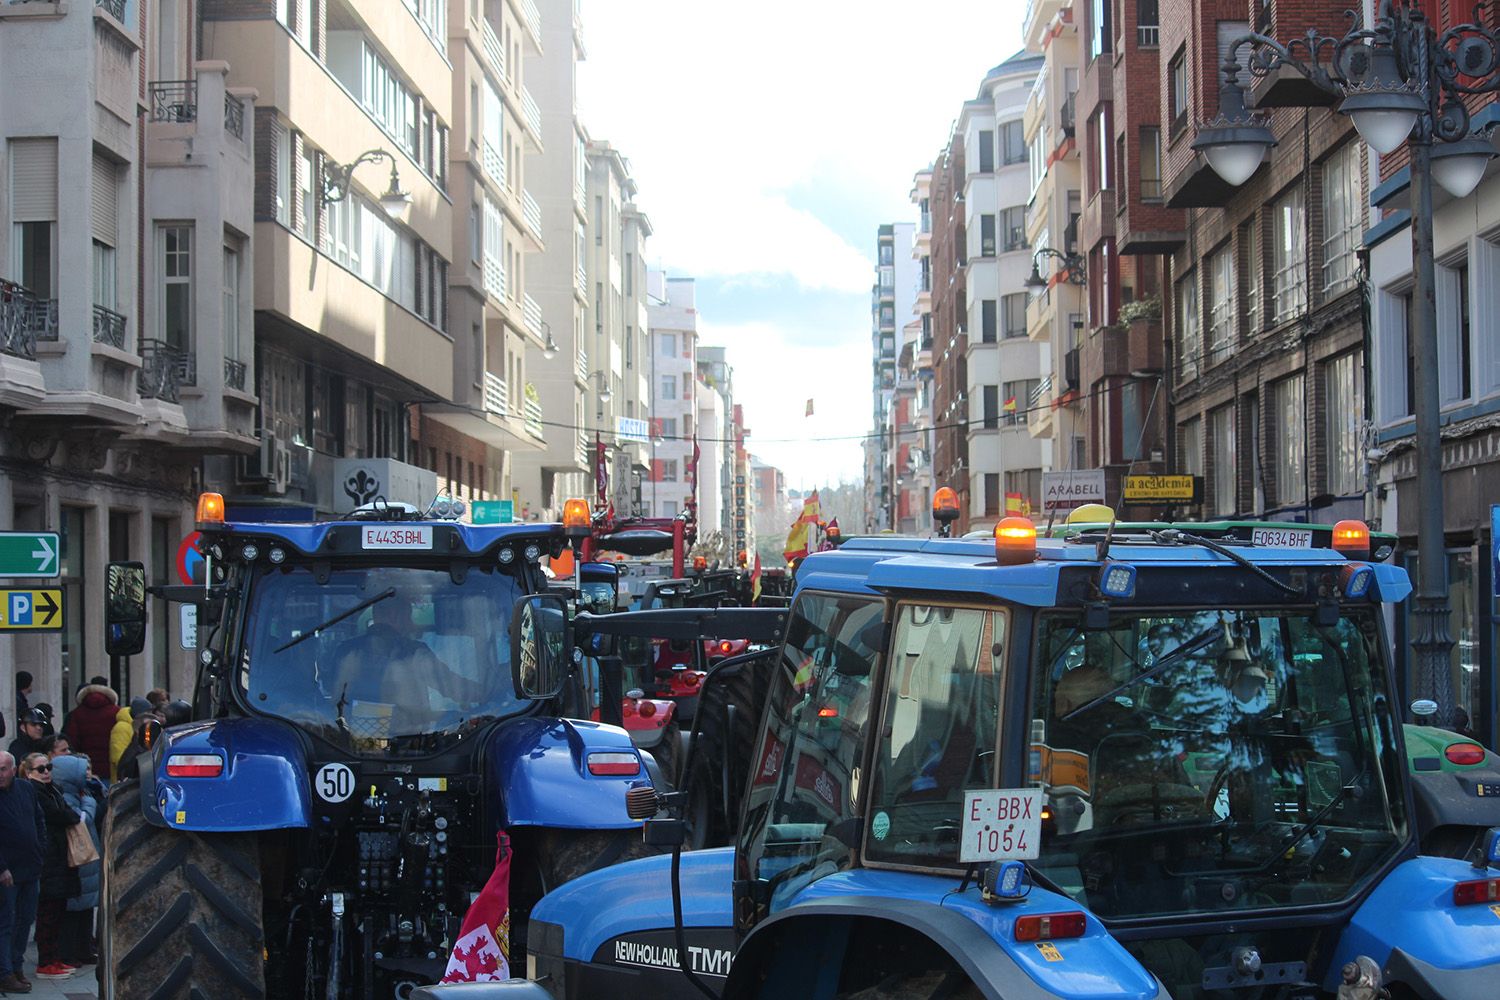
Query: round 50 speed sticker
(334, 782)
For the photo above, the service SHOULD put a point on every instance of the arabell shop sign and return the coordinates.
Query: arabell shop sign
(1063, 491)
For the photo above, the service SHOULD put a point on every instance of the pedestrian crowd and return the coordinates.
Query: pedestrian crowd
(51, 814)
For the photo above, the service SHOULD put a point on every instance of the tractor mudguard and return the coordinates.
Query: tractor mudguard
(1409, 925)
(263, 784)
(647, 731)
(779, 955)
(611, 932)
(541, 767)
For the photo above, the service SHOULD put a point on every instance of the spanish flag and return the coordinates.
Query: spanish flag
(799, 540)
(1017, 504)
(1010, 405)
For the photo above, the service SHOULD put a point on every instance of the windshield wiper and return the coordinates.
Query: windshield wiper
(1194, 644)
(330, 623)
(1301, 833)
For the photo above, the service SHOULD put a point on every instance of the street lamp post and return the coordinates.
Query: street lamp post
(336, 180)
(1399, 80)
(1072, 265)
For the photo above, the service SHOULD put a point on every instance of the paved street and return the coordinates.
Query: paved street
(82, 984)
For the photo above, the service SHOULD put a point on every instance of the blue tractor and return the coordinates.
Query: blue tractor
(375, 701)
(1118, 764)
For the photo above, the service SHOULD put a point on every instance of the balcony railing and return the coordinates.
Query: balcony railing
(175, 101)
(531, 312)
(24, 320)
(1068, 113)
(116, 8)
(234, 374)
(533, 17)
(582, 454)
(532, 213)
(581, 365)
(492, 50)
(532, 111)
(234, 116)
(532, 411)
(1070, 369)
(494, 163)
(1148, 36)
(496, 395)
(1040, 392)
(161, 371)
(494, 276)
(109, 328)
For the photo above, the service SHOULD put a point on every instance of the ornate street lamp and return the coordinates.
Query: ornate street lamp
(549, 350)
(336, 179)
(604, 394)
(1398, 80)
(1072, 265)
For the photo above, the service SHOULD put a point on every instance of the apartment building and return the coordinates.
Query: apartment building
(672, 372)
(915, 383)
(717, 438)
(1057, 413)
(352, 234)
(893, 298)
(495, 410)
(949, 321)
(125, 310)
(558, 279)
(1004, 366)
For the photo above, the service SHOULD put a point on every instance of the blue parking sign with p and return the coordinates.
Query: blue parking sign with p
(20, 608)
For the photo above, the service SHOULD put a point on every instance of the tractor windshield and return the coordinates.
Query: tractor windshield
(382, 660)
(1212, 760)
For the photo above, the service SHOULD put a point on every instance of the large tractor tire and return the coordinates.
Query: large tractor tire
(180, 913)
(722, 763)
(668, 753)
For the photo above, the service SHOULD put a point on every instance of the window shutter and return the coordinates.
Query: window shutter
(33, 180)
(106, 201)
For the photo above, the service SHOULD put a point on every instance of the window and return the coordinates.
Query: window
(887, 315)
(104, 275)
(992, 498)
(986, 235)
(1289, 463)
(1289, 267)
(476, 235)
(987, 321)
(1222, 473)
(1016, 400)
(991, 408)
(1013, 227)
(887, 254)
(1013, 142)
(175, 257)
(1151, 164)
(231, 317)
(1221, 305)
(1190, 447)
(1189, 334)
(1249, 250)
(1023, 491)
(668, 427)
(1343, 216)
(1105, 141)
(1455, 346)
(986, 152)
(669, 470)
(33, 197)
(1100, 32)
(1147, 24)
(1177, 103)
(1014, 308)
(1344, 389)
(669, 387)
(306, 173)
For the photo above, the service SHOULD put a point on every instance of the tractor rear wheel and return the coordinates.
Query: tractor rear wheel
(180, 913)
(727, 749)
(668, 753)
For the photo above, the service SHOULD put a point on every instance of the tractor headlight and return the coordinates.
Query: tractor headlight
(1117, 580)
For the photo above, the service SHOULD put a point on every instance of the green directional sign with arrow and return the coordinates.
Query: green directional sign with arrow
(30, 553)
(36, 610)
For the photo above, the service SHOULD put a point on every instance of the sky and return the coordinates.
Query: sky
(768, 142)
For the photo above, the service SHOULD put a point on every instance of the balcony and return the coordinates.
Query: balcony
(234, 374)
(582, 449)
(533, 19)
(1068, 114)
(491, 48)
(24, 320)
(531, 313)
(1070, 370)
(494, 276)
(531, 412)
(496, 395)
(109, 328)
(531, 214)
(162, 368)
(494, 164)
(581, 367)
(114, 8)
(533, 114)
(174, 101)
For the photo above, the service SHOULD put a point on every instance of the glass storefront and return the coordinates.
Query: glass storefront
(1472, 627)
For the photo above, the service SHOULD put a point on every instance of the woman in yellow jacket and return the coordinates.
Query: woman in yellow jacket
(119, 738)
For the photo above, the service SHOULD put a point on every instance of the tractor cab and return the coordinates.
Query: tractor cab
(1120, 762)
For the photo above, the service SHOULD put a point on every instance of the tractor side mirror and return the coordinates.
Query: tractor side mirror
(539, 646)
(124, 608)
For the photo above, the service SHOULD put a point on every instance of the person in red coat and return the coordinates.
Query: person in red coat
(88, 725)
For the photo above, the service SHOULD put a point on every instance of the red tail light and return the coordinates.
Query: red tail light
(828, 712)
(646, 709)
(614, 764)
(691, 678)
(1484, 890)
(195, 765)
(1465, 753)
(1050, 926)
(725, 646)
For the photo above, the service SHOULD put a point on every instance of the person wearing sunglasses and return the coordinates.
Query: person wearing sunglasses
(59, 880)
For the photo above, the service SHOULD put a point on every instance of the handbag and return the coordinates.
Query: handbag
(81, 848)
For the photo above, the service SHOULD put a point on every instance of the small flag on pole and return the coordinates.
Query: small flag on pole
(1010, 405)
(482, 951)
(809, 408)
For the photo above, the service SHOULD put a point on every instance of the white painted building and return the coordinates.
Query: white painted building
(672, 371)
(1004, 366)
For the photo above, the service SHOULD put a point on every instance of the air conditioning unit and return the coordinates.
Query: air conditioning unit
(258, 468)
